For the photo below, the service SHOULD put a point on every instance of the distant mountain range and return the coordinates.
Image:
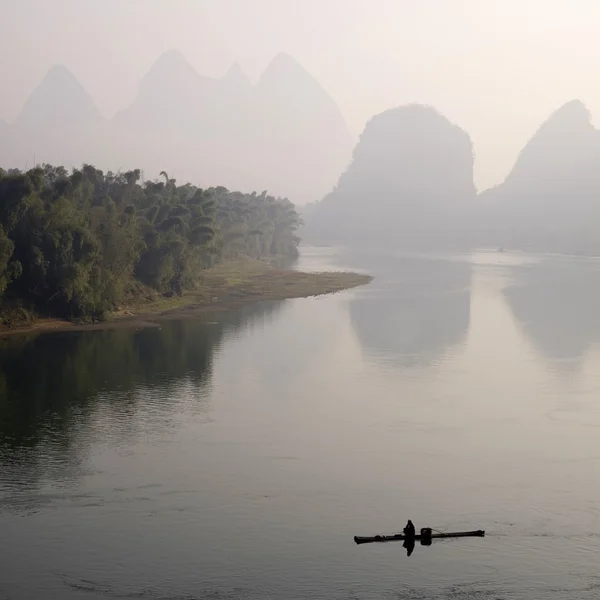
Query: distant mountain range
(409, 179)
(411, 182)
(284, 134)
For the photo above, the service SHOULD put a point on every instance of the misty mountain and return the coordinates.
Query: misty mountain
(58, 101)
(168, 124)
(410, 180)
(170, 97)
(291, 98)
(301, 129)
(58, 122)
(284, 134)
(551, 198)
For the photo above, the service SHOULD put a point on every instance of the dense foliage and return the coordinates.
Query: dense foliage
(75, 244)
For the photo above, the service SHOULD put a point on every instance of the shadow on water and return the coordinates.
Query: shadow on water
(415, 310)
(54, 386)
(556, 302)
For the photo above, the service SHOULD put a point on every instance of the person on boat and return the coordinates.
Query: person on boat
(409, 530)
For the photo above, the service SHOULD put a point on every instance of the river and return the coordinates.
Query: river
(238, 455)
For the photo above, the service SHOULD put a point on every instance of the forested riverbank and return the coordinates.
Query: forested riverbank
(85, 246)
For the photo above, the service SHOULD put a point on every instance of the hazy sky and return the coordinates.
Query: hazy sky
(497, 68)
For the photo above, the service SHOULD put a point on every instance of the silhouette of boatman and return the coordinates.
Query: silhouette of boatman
(409, 541)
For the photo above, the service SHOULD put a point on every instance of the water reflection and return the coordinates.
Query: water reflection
(414, 312)
(60, 393)
(556, 301)
(135, 496)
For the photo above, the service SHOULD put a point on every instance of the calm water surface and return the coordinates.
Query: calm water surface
(236, 457)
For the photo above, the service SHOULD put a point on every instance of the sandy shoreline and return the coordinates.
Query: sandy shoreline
(226, 287)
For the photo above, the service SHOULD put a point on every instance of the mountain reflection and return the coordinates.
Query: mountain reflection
(418, 308)
(61, 392)
(556, 301)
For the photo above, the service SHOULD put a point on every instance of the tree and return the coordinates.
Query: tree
(75, 244)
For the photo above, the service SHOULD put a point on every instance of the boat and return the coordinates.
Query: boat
(398, 537)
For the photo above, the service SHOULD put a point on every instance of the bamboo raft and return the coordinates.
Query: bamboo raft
(417, 537)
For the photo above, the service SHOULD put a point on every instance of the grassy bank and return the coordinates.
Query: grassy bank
(227, 286)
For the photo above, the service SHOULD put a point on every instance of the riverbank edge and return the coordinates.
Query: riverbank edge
(228, 286)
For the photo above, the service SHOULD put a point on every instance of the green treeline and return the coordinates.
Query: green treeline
(76, 244)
